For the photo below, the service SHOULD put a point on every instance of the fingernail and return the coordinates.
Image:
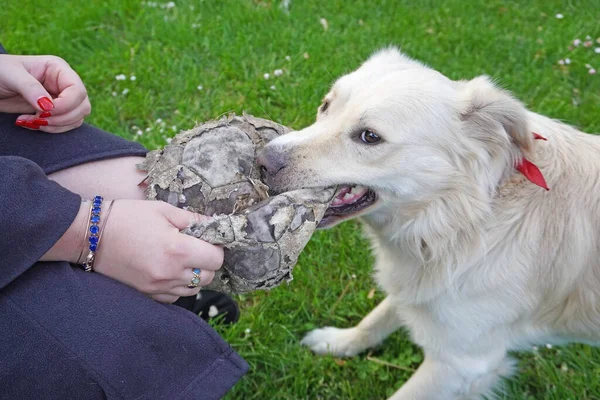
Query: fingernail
(45, 114)
(20, 122)
(45, 103)
(39, 121)
(31, 125)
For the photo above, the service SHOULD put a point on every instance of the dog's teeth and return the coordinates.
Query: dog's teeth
(348, 196)
(357, 189)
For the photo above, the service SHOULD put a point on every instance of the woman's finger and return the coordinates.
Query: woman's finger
(31, 89)
(181, 218)
(165, 298)
(183, 291)
(200, 254)
(69, 99)
(206, 278)
(72, 117)
(16, 105)
(59, 124)
(62, 79)
(60, 129)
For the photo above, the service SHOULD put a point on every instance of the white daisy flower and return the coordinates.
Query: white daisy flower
(248, 330)
(597, 50)
(132, 78)
(576, 42)
(125, 91)
(324, 23)
(120, 77)
(159, 120)
(567, 61)
(561, 62)
(592, 71)
(278, 72)
(548, 346)
(139, 132)
(267, 75)
(169, 139)
(306, 56)
(288, 58)
(272, 87)
(559, 16)
(285, 5)
(199, 87)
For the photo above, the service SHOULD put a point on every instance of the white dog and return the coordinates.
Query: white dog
(475, 257)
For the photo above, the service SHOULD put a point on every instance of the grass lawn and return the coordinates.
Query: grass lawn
(199, 59)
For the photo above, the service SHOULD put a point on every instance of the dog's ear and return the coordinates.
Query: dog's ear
(485, 108)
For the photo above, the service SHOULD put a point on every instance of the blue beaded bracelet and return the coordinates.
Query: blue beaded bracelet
(94, 232)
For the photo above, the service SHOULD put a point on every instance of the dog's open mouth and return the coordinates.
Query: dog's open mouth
(349, 201)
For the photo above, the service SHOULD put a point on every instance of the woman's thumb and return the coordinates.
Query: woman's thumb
(32, 90)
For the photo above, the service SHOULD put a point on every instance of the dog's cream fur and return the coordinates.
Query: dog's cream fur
(475, 260)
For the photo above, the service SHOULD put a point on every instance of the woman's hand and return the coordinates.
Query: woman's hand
(141, 246)
(49, 94)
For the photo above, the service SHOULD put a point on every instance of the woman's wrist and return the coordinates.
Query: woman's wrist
(68, 247)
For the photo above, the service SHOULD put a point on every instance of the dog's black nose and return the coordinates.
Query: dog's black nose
(271, 162)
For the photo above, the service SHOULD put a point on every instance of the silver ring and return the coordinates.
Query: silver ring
(195, 279)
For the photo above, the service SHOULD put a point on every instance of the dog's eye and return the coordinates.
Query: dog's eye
(324, 106)
(369, 137)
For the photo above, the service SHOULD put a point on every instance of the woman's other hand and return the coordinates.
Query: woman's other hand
(45, 90)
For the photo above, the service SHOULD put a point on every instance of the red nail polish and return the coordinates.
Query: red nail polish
(39, 121)
(31, 125)
(45, 114)
(45, 103)
(20, 122)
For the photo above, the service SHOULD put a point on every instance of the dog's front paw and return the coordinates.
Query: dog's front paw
(335, 341)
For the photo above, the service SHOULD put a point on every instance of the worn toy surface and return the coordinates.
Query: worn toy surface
(212, 170)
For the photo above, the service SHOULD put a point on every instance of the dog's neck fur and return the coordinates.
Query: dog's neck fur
(431, 256)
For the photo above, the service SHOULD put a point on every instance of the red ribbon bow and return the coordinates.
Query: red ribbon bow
(530, 170)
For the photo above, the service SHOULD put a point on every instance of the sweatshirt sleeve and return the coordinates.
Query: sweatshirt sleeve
(34, 213)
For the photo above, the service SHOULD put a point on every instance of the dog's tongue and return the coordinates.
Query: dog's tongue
(348, 195)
